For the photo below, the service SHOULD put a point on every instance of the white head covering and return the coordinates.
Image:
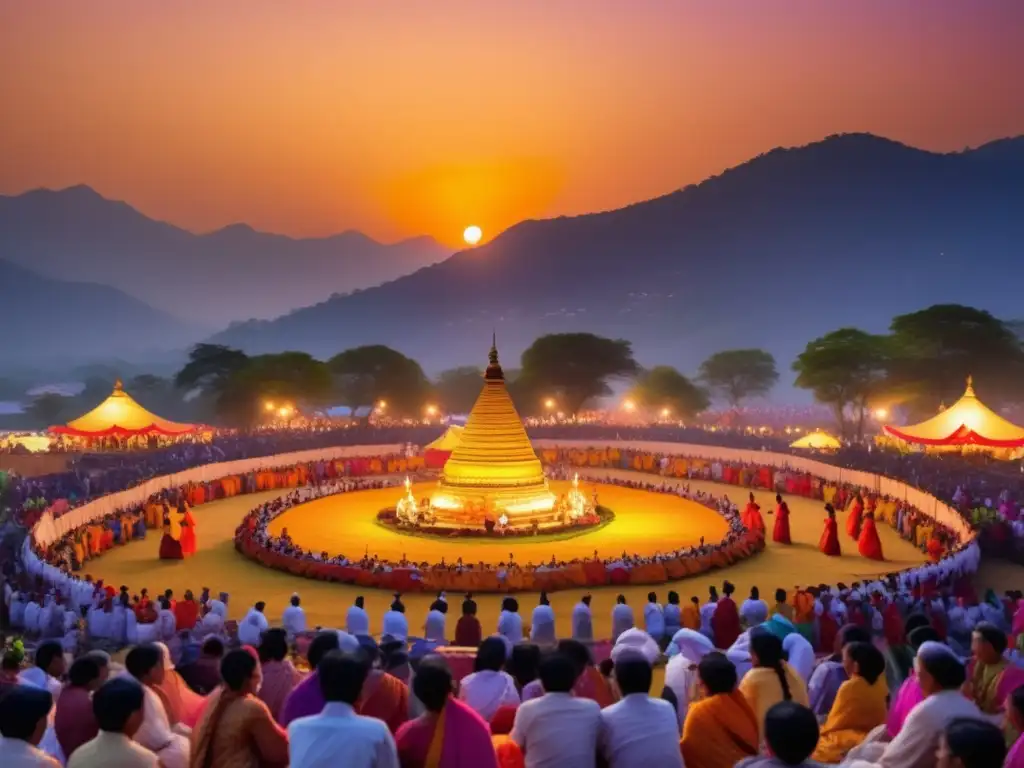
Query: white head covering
(691, 644)
(347, 642)
(800, 655)
(637, 644)
(930, 649)
(739, 655)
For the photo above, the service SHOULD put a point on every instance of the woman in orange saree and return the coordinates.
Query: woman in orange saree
(869, 544)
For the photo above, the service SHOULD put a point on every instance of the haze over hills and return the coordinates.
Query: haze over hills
(790, 245)
(56, 321)
(210, 279)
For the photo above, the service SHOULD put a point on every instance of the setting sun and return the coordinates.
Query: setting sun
(472, 234)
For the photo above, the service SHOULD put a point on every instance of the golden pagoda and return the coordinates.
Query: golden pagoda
(493, 473)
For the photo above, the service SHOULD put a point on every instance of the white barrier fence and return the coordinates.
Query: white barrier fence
(49, 529)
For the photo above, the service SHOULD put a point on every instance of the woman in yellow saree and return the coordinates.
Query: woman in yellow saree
(860, 704)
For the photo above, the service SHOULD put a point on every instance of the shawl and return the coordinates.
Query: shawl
(859, 707)
(719, 732)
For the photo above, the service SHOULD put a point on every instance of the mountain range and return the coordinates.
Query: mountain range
(783, 248)
(209, 279)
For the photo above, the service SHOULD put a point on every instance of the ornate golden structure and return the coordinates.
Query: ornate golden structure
(493, 473)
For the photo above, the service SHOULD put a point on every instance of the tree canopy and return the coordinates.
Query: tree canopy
(293, 377)
(844, 368)
(736, 374)
(665, 388)
(458, 388)
(209, 366)
(575, 367)
(367, 375)
(50, 408)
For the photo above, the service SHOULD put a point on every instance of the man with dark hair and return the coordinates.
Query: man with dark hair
(357, 621)
(118, 710)
(23, 714)
(294, 618)
(991, 676)
(720, 728)
(583, 620)
(969, 743)
(74, 722)
(339, 736)
(203, 674)
(791, 733)
(542, 725)
(279, 674)
(468, 632)
(639, 730)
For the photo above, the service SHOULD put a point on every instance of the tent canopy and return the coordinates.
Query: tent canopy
(119, 415)
(967, 422)
(447, 441)
(821, 441)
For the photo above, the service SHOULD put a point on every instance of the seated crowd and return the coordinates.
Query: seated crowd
(910, 670)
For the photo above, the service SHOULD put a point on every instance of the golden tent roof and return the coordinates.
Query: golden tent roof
(448, 441)
(967, 422)
(821, 441)
(120, 415)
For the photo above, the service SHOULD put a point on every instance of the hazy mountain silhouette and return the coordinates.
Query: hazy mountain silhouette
(76, 234)
(49, 321)
(790, 245)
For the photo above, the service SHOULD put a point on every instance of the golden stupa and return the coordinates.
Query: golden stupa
(493, 473)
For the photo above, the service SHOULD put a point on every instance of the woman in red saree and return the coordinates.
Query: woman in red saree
(869, 545)
(188, 530)
(780, 534)
(751, 516)
(829, 542)
(450, 734)
(853, 522)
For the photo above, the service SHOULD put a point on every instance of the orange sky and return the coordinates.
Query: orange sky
(403, 118)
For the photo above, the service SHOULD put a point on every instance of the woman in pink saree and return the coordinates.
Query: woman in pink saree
(183, 705)
(450, 734)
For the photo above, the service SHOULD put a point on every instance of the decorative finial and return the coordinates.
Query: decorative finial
(118, 385)
(494, 372)
(970, 384)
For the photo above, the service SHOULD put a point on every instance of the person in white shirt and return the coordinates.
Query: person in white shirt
(654, 617)
(220, 606)
(707, 612)
(542, 629)
(357, 620)
(24, 712)
(754, 610)
(252, 627)
(434, 628)
(294, 618)
(395, 624)
(673, 615)
(558, 729)
(510, 623)
(582, 620)
(338, 736)
(639, 730)
(622, 617)
(489, 687)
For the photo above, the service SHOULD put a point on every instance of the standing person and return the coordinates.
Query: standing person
(691, 615)
(435, 626)
(357, 620)
(780, 533)
(654, 618)
(74, 722)
(339, 736)
(542, 629)
(541, 725)
(293, 619)
(639, 730)
(489, 687)
(468, 632)
(828, 544)
(720, 727)
(754, 610)
(236, 728)
(771, 680)
(118, 709)
(725, 623)
(449, 734)
(583, 620)
(622, 617)
(24, 711)
(279, 674)
(869, 544)
(707, 612)
(853, 521)
(252, 627)
(751, 517)
(510, 623)
(395, 624)
(673, 615)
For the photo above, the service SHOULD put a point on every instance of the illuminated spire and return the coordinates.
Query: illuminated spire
(494, 372)
(970, 387)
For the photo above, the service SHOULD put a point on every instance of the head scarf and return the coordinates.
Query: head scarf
(779, 626)
(800, 654)
(691, 644)
(635, 643)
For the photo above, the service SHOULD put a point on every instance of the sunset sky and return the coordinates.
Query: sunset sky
(310, 117)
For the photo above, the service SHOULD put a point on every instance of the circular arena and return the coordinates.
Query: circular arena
(650, 520)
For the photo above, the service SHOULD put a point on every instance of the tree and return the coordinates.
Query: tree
(737, 374)
(209, 366)
(366, 375)
(665, 388)
(936, 349)
(289, 377)
(49, 408)
(844, 368)
(575, 367)
(458, 388)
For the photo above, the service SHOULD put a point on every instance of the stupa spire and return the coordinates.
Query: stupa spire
(494, 372)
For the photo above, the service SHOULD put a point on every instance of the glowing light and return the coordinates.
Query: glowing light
(382, 405)
(269, 406)
(284, 412)
(881, 413)
(629, 405)
(431, 410)
(472, 234)
(549, 403)
(665, 413)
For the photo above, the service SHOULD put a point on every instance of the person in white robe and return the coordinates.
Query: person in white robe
(622, 617)
(171, 745)
(799, 654)
(582, 620)
(684, 652)
(357, 620)
(166, 623)
(395, 624)
(707, 612)
(510, 623)
(219, 606)
(940, 674)
(542, 623)
(654, 618)
(253, 625)
(294, 618)
(489, 687)
(753, 610)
